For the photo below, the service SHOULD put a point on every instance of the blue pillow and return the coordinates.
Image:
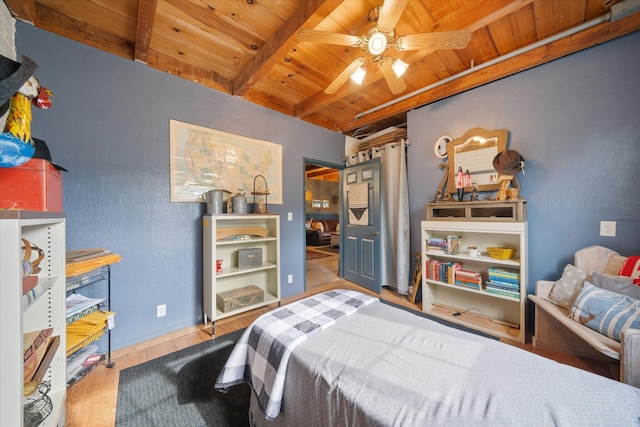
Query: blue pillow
(604, 311)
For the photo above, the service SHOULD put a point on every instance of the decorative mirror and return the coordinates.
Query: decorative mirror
(474, 152)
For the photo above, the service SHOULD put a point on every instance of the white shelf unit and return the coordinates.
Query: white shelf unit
(266, 276)
(497, 315)
(47, 231)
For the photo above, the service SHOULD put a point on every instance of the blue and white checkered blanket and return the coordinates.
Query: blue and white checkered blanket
(262, 353)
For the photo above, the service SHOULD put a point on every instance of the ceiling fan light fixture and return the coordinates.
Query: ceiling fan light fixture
(358, 75)
(399, 67)
(377, 43)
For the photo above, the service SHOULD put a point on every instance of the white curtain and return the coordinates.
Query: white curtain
(395, 245)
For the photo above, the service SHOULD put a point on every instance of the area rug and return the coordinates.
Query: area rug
(177, 389)
(315, 255)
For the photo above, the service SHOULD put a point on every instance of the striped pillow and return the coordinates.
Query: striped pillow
(631, 268)
(606, 312)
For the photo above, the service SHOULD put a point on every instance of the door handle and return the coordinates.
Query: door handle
(375, 233)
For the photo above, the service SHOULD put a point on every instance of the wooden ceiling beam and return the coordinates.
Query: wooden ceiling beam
(541, 55)
(268, 101)
(63, 25)
(187, 71)
(474, 15)
(24, 10)
(146, 16)
(308, 15)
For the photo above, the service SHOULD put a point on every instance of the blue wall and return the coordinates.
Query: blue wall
(576, 122)
(109, 126)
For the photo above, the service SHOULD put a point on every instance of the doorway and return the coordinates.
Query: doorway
(322, 201)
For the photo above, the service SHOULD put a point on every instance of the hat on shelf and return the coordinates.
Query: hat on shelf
(12, 76)
(42, 152)
(509, 162)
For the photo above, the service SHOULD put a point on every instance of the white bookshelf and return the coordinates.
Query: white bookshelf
(47, 231)
(265, 276)
(497, 315)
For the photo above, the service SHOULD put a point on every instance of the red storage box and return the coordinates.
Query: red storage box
(36, 185)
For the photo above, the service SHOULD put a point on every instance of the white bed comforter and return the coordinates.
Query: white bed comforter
(386, 367)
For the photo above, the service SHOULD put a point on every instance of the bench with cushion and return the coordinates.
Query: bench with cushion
(579, 294)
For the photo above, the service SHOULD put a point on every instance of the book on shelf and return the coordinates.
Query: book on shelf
(504, 275)
(504, 285)
(467, 273)
(502, 292)
(433, 269)
(502, 281)
(501, 270)
(436, 244)
(452, 269)
(442, 271)
(466, 284)
(469, 276)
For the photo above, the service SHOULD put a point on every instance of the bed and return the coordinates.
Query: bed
(383, 366)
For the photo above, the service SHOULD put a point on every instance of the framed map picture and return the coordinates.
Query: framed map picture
(204, 159)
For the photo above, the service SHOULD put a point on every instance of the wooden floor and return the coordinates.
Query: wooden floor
(91, 402)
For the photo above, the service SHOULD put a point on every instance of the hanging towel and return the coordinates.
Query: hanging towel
(358, 203)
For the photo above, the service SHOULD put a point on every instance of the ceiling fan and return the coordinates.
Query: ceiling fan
(377, 40)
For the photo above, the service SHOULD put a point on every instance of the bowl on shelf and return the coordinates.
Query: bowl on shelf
(500, 253)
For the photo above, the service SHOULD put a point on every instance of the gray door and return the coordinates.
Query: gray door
(361, 229)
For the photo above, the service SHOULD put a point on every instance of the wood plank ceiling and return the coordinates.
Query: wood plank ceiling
(251, 49)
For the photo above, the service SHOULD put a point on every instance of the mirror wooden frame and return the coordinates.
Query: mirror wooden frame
(474, 151)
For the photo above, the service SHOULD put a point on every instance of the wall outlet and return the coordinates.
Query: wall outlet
(161, 310)
(290, 278)
(290, 216)
(608, 228)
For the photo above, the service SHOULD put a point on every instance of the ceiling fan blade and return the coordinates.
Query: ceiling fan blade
(390, 14)
(396, 84)
(344, 76)
(317, 36)
(438, 40)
